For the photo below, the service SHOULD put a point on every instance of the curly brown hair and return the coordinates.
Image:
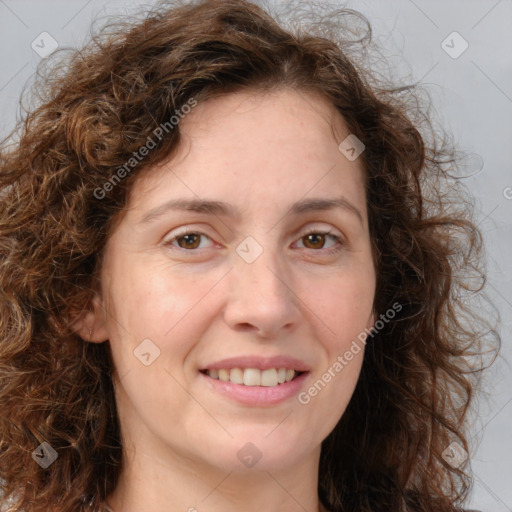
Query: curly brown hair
(100, 105)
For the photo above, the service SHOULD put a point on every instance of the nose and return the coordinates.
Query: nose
(262, 297)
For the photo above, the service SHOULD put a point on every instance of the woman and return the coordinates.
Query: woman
(231, 279)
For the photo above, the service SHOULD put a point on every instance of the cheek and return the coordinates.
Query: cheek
(155, 302)
(348, 305)
(345, 306)
(148, 303)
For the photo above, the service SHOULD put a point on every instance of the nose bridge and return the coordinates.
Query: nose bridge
(259, 266)
(260, 294)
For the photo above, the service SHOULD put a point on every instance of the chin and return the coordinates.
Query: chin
(259, 449)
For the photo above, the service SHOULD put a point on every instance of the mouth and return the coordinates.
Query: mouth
(254, 377)
(256, 381)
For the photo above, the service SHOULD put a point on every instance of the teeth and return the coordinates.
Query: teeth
(236, 376)
(269, 377)
(254, 377)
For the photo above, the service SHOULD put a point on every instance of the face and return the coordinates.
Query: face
(258, 280)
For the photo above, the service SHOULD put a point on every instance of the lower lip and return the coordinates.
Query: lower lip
(257, 396)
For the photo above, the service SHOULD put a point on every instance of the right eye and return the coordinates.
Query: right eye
(187, 240)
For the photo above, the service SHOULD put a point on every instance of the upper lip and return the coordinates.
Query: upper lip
(260, 363)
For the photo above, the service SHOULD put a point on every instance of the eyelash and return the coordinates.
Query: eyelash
(338, 239)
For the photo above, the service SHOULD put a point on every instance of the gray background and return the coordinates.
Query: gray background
(473, 97)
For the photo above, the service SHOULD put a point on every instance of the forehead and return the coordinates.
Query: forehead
(283, 118)
(254, 147)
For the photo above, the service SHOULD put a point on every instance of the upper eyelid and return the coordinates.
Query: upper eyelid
(306, 230)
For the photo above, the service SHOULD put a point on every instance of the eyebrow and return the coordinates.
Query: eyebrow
(212, 207)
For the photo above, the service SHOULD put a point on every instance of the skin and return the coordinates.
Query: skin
(260, 153)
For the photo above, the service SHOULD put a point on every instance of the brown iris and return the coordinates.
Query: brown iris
(189, 243)
(314, 238)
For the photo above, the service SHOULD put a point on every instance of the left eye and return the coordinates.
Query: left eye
(190, 240)
(318, 237)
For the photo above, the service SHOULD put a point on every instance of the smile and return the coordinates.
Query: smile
(264, 388)
(270, 377)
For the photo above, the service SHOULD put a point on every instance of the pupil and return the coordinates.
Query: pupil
(189, 239)
(315, 236)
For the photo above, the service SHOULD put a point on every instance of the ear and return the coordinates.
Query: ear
(91, 323)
